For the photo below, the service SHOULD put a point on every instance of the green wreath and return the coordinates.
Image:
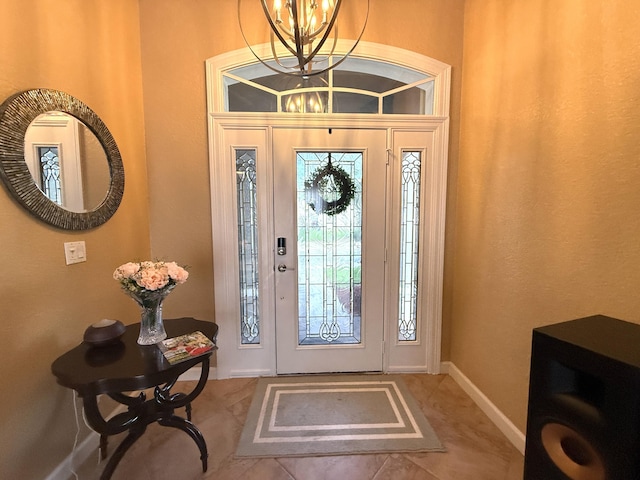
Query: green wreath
(329, 190)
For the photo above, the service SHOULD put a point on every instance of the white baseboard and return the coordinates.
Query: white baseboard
(407, 369)
(89, 446)
(515, 436)
(86, 448)
(251, 373)
(194, 374)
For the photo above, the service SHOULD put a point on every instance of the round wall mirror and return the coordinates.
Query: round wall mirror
(59, 160)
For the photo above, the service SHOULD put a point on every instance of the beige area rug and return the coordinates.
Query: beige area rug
(334, 415)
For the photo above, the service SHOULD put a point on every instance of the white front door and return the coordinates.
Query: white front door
(329, 261)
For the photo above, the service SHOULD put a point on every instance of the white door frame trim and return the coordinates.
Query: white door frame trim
(236, 360)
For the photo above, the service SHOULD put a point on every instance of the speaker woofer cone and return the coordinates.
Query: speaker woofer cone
(573, 454)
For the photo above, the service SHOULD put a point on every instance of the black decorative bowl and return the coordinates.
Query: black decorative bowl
(104, 332)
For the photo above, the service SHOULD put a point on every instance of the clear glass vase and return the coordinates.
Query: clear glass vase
(151, 325)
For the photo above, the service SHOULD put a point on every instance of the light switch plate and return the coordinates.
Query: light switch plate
(75, 252)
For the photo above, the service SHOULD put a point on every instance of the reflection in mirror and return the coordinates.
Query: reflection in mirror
(67, 161)
(58, 159)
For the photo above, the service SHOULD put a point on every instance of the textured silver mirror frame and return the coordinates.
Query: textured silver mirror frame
(16, 114)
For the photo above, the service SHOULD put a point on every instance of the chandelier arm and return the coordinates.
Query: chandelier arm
(324, 25)
(275, 55)
(276, 59)
(311, 56)
(304, 67)
(275, 29)
(328, 28)
(296, 31)
(316, 33)
(344, 57)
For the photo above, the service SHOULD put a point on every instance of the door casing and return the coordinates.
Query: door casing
(230, 131)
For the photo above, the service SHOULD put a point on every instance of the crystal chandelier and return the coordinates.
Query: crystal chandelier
(302, 34)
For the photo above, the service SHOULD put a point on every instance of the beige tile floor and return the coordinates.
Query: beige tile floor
(476, 449)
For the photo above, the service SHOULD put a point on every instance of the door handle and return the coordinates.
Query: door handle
(283, 268)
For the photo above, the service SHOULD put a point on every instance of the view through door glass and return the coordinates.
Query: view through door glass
(329, 240)
(329, 215)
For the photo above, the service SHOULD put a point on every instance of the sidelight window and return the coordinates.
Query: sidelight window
(409, 246)
(247, 245)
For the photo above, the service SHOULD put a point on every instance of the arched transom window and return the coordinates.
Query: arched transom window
(362, 84)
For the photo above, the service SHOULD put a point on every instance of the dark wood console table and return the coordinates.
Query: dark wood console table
(125, 367)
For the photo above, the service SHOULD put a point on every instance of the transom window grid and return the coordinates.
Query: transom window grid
(356, 86)
(329, 258)
(246, 203)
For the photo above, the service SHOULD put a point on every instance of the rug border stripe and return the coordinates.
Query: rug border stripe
(252, 444)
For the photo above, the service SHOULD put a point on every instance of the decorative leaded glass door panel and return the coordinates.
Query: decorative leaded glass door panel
(329, 227)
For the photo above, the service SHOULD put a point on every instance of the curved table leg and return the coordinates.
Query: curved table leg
(189, 428)
(141, 412)
(104, 442)
(119, 453)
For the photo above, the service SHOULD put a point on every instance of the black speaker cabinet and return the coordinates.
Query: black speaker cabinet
(584, 401)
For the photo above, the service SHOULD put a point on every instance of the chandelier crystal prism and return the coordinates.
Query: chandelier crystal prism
(300, 37)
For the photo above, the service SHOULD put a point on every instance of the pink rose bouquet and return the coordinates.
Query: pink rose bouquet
(148, 283)
(146, 277)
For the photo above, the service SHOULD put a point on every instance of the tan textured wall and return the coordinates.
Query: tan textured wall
(107, 54)
(542, 202)
(547, 222)
(91, 50)
(177, 38)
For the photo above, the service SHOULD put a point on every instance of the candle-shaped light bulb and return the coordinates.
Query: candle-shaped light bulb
(325, 9)
(277, 6)
(303, 14)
